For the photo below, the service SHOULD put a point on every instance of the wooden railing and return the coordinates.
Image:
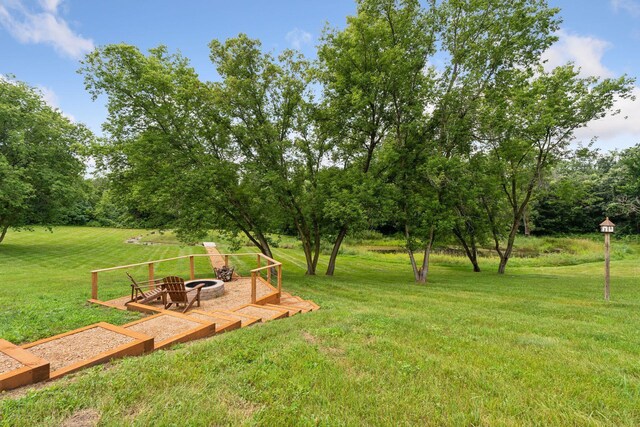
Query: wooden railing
(271, 265)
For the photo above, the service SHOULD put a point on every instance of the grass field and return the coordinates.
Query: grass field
(537, 346)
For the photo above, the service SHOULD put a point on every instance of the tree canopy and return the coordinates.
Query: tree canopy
(371, 133)
(41, 169)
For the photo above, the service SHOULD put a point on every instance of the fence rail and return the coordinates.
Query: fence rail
(271, 266)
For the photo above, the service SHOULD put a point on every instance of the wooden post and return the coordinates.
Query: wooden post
(607, 227)
(253, 287)
(226, 261)
(192, 267)
(94, 285)
(259, 259)
(607, 260)
(269, 273)
(280, 280)
(151, 276)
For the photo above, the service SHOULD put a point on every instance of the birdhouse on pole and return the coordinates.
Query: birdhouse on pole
(607, 226)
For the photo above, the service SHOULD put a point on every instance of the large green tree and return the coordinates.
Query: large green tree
(242, 154)
(528, 122)
(480, 40)
(382, 88)
(278, 130)
(374, 79)
(167, 151)
(41, 170)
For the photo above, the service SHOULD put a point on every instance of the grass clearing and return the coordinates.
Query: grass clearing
(536, 346)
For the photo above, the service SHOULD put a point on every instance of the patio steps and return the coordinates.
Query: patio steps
(297, 302)
(245, 320)
(263, 312)
(223, 322)
(291, 310)
(141, 337)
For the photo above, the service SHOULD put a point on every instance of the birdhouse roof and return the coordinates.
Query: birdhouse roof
(607, 222)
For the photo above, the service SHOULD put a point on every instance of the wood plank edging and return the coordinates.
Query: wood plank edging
(252, 319)
(34, 369)
(296, 310)
(230, 325)
(282, 313)
(136, 347)
(205, 329)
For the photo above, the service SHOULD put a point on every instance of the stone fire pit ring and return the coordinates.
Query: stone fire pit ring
(213, 288)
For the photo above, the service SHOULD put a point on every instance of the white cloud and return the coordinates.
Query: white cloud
(297, 38)
(42, 26)
(51, 98)
(50, 5)
(616, 130)
(630, 6)
(584, 51)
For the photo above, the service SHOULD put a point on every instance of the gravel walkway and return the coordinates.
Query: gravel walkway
(244, 318)
(71, 349)
(263, 313)
(164, 327)
(216, 261)
(8, 363)
(211, 318)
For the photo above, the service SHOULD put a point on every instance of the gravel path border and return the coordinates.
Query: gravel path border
(164, 327)
(75, 348)
(8, 363)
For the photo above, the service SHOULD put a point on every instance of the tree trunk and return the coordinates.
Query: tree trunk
(496, 240)
(414, 266)
(519, 212)
(420, 274)
(311, 256)
(504, 256)
(424, 270)
(305, 238)
(316, 248)
(306, 248)
(265, 249)
(310, 246)
(470, 249)
(4, 232)
(525, 220)
(474, 259)
(334, 252)
(412, 258)
(263, 244)
(256, 237)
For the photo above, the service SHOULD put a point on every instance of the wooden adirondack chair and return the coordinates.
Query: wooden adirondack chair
(179, 294)
(144, 292)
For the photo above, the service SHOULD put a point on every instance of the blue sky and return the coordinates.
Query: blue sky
(41, 42)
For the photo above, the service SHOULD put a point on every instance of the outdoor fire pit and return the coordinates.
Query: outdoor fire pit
(212, 288)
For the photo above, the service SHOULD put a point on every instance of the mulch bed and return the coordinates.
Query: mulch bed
(8, 363)
(164, 327)
(71, 349)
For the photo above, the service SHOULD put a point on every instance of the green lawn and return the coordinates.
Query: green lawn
(537, 346)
